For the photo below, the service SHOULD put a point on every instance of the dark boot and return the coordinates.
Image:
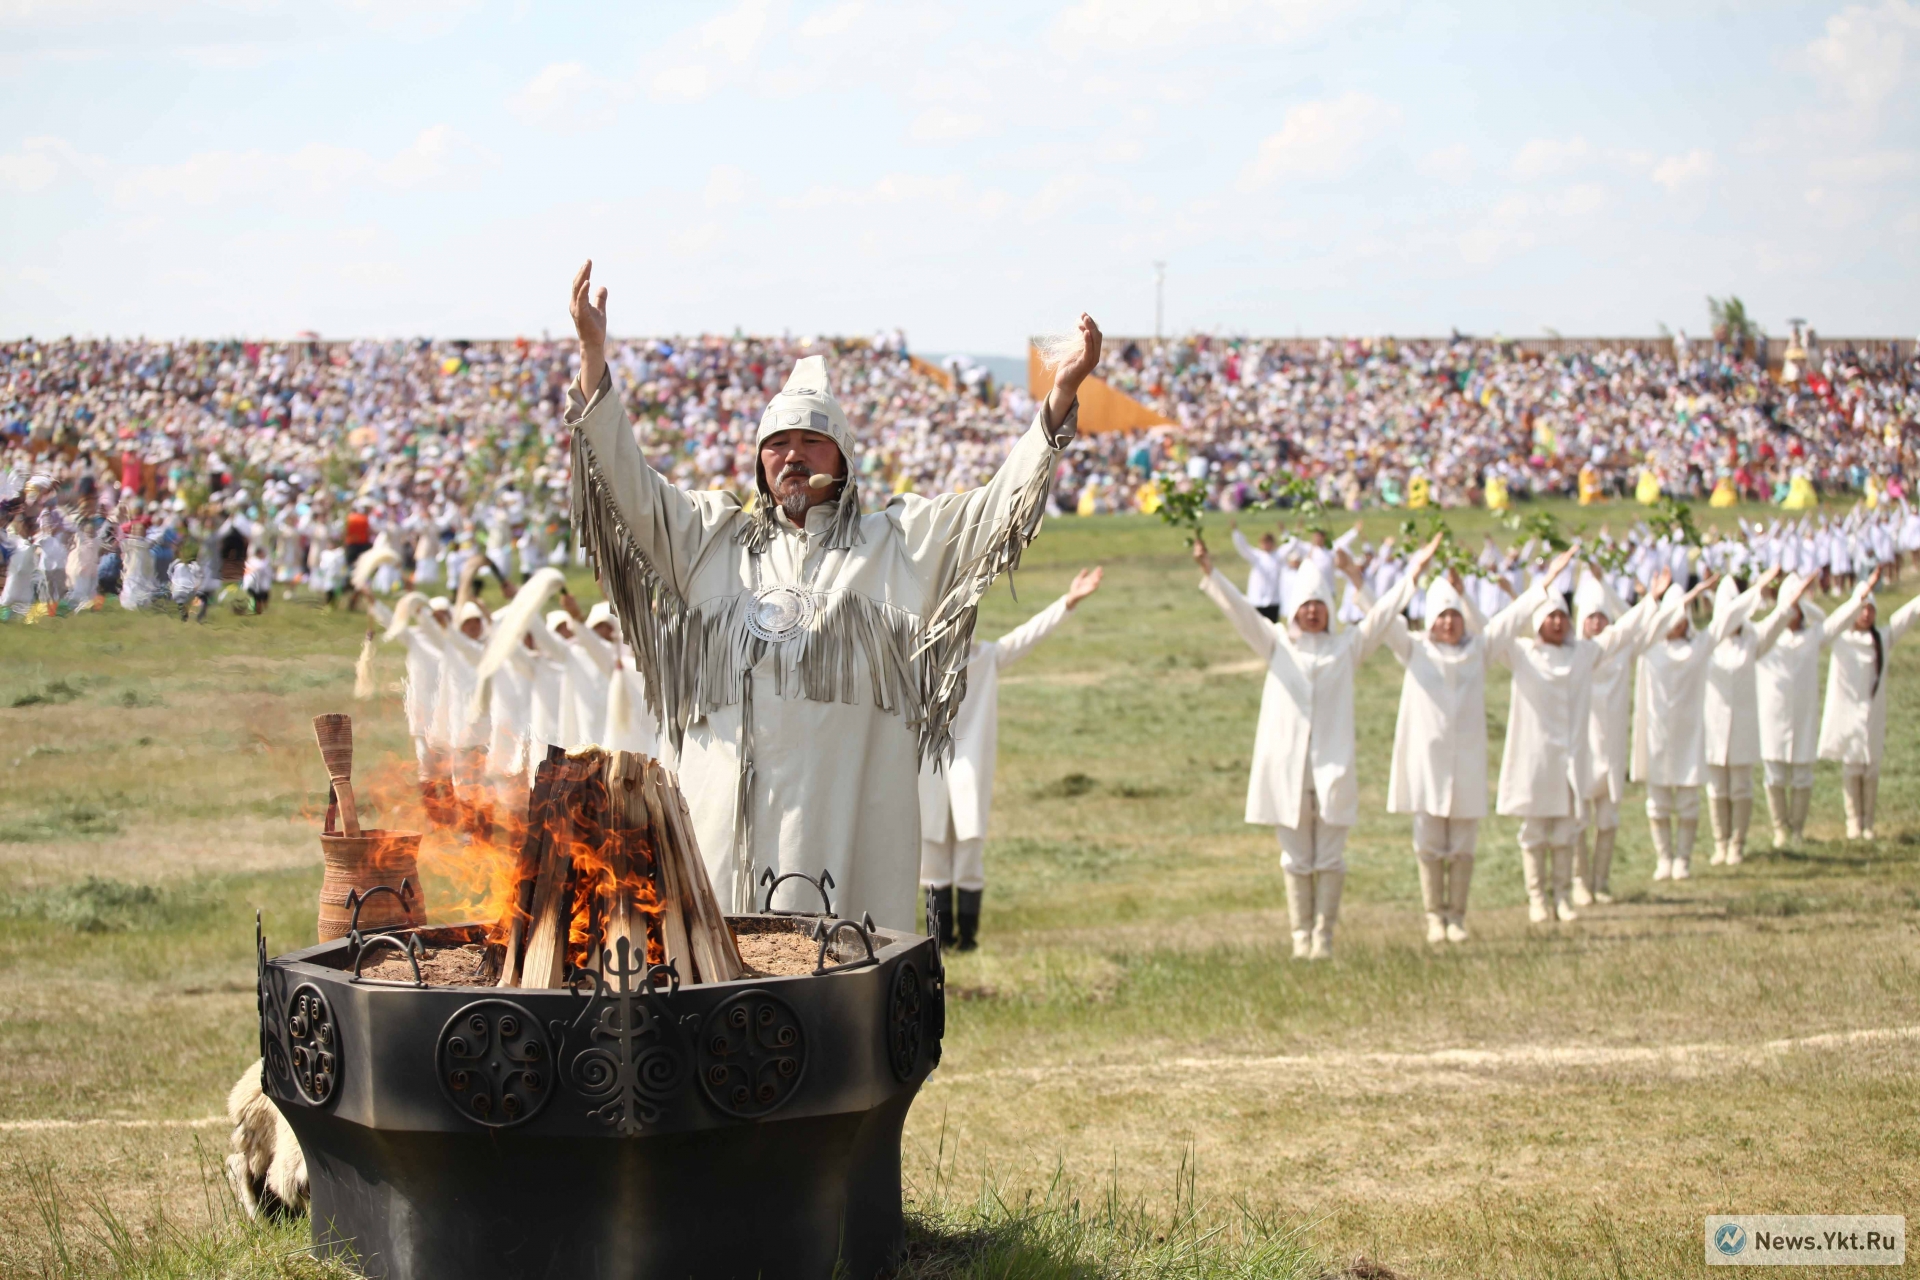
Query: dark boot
(969, 916)
(940, 914)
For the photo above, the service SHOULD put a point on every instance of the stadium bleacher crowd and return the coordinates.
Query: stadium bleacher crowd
(253, 464)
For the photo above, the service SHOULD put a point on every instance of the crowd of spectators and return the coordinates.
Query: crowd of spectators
(282, 463)
(1366, 420)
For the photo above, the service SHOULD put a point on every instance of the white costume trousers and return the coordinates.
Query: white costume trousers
(1730, 782)
(1435, 837)
(1313, 845)
(962, 863)
(1673, 802)
(1780, 773)
(1548, 833)
(1602, 813)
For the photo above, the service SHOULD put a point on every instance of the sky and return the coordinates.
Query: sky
(971, 173)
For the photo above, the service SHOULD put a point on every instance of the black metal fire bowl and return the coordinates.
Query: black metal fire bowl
(627, 1128)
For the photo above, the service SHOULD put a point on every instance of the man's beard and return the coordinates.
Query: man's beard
(797, 498)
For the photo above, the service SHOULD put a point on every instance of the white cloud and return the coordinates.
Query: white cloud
(318, 170)
(1863, 55)
(1320, 139)
(1450, 164)
(682, 84)
(40, 162)
(1675, 172)
(727, 184)
(1141, 26)
(942, 124)
(696, 64)
(565, 95)
(1540, 157)
(1868, 167)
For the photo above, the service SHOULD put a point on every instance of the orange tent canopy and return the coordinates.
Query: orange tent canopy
(1101, 407)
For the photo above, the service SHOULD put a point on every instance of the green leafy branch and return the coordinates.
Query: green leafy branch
(1184, 509)
(1451, 556)
(1671, 516)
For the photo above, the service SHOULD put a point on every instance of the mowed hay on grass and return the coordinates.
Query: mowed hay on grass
(1568, 1101)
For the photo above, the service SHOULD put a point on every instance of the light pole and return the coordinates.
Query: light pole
(1159, 296)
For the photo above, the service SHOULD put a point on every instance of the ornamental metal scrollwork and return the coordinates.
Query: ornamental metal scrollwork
(630, 1067)
(753, 1052)
(494, 1064)
(313, 1045)
(905, 1021)
(273, 1050)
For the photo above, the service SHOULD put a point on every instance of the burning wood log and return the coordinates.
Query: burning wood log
(610, 854)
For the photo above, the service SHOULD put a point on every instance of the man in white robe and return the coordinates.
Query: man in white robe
(1263, 574)
(1303, 782)
(1732, 715)
(1546, 764)
(1439, 770)
(1853, 724)
(1669, 734)
(802, 657)
(956, 799)
(1609, 726)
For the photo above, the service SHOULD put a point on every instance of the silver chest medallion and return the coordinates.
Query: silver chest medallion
(780, 613)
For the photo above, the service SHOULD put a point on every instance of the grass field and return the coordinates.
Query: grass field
(1137, 1078)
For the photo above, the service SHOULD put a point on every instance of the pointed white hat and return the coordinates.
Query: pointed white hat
(1593, 595)
(1724, 595)
(806, 403)
(557, 617)
(602, 612)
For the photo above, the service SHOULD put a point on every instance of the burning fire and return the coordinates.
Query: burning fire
(474, 840)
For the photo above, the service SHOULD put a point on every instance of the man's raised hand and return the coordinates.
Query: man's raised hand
(1068, 377)
(1201, 556)
(589, 312)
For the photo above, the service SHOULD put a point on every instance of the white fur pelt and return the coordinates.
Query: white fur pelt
(267, 1169)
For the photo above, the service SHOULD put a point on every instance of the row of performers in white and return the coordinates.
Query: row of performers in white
(488, 693)
(1709, 705)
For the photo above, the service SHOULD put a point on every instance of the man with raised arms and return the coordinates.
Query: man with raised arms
(803, 657)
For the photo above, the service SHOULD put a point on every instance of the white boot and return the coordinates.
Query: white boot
(1850, 793)
(1798, 804)
(1433, 896)
(1300, 913)
(1662, 847)
(1722, 810)
(1563, 883)
(1459, 878)
(1603, 864)
(1778, 811)
(1326, 912)
(1869, 796)
(1684, 833)
(1582, 870)
(1742, 820)
(1533, 863)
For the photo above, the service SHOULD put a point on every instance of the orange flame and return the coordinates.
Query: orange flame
(472, 838)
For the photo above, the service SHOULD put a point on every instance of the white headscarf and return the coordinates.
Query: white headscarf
(1551, 602)
(1441, 597)
(1309, 582)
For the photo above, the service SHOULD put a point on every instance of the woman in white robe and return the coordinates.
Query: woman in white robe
(1609, 726)
(421, 625)
(23, 572)
(956, 800)
(1546, 765)
(463, 728)
(1787, 687)
(1302, 782)
(1669, 733)
(1853, 724)
(1439, 770)
(1732, 714)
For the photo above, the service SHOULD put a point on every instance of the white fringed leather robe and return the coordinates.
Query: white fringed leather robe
(802, 754)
